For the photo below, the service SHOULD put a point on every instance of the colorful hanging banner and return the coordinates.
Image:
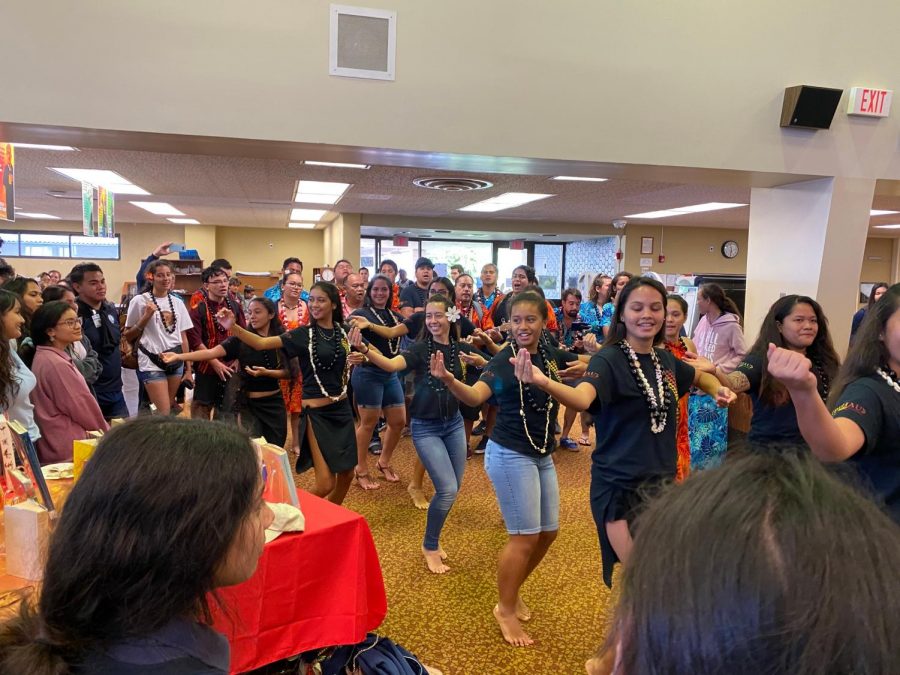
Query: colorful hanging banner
(87, 209)
(8, 187)
(101, 212)
(110, 213)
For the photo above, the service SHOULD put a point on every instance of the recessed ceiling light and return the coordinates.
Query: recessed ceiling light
(159, 208)
(443, 231)
(338, 165)
(45, 216)
(319, 192)
(878, 227)
(586, 179)
(307, 214)
(878, 212)
(507, 200)
(103, 178)
(682, 210)
(184, 221)
(302, 226)
(549, 235)
(38, 146)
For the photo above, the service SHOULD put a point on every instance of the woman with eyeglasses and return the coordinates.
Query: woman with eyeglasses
(64, 408)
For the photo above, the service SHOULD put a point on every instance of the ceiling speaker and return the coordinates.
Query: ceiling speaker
(809, 107)
(363, 42)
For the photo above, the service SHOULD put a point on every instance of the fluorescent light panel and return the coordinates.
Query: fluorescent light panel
(38, 146)
(45, 216)
(877, 227)
(338, 165)
(682, 210)
(584, 179)
(184, 221)
(300, 215)
(103, 178)
(878, 212)
(319, 192)
(507, 200)
(158, 208)
(302, 226)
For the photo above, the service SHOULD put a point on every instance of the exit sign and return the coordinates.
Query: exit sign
(870, 102)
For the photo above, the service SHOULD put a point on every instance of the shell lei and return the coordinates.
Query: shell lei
(892, 383)
(657, 403)
(552, 374)
(345, 345)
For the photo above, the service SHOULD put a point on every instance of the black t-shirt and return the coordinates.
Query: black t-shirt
(510, 429)
(412, 296)
(387, 318)
(416, 322)
(432, 399)
(770, 423)
(331, 354)
(628, 453)
(875, 408)
(249, 357)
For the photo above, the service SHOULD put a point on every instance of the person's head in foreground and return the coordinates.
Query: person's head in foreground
(166, 511)
(768, 564)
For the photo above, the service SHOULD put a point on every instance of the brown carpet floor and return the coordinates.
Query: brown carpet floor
(446, 619)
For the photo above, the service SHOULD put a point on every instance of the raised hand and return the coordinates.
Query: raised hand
(725, 397)
(359, 322)
(525, 371)
(225, 318)
(575, 371)
(475, 360)
(700, 363)
(162, 249)
(791, 368)
(591, 346)
(438, 369)
(149, 311)
(255, 371)
(169, 357)
(354, 336)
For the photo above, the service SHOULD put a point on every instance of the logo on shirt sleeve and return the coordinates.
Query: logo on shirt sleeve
(849, 405)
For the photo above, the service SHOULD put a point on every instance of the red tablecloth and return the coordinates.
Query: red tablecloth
(315, 589)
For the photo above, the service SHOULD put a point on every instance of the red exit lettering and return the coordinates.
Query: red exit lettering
(872, 101)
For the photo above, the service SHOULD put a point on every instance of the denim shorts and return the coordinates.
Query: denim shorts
(153, 375)
(376, 388)
(526, 488)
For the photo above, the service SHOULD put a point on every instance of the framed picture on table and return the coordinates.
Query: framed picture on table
(646, 245)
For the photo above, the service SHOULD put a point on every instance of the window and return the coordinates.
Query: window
(507, 260)
(367, 254)
(470, 254)
(548, 262)
(404, 256)
(59, 245)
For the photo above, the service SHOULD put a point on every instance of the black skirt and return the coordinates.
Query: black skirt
(266, 417)
(333, 427)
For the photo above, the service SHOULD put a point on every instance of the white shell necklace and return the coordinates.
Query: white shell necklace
(657, 401)
(886, 376)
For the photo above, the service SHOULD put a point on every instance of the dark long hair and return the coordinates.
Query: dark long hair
(875, 287)
(820, 352)
(337, 315)
(140, 540)
(529, 273)
(717, 296)
(446, 283)
(18, 286)
(763, 548)
(47, 316)
(617, 331)
(594, 293)
(868, 352)
(9, 382)
(386, 279)
(446, 303)
(615, 280)
(275, 328)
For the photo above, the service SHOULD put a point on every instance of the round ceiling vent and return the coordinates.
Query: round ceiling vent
(452, 184)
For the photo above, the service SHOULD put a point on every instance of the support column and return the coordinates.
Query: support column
(202, 238)
(808, 238)
(342, 239)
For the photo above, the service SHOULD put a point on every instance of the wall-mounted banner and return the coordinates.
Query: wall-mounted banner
(87, 209)
(108, 229)
(8, 187)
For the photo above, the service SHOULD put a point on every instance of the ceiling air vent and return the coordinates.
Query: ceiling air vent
(452, 184)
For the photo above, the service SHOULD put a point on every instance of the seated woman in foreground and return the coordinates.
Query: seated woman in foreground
(168, 510)
(783, 569)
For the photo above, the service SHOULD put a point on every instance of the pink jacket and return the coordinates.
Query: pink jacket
(64, 408)
(722, 342)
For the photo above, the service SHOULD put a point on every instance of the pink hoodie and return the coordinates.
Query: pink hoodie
(722, 341)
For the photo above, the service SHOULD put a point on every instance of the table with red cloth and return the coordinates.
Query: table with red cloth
(319, 588)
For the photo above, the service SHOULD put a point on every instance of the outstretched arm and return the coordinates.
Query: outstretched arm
(216, 352)
(392, 365)
(257, 342)
(711, 385)
(473, 395)
(578, 398)
(388, 332)
(830, 439)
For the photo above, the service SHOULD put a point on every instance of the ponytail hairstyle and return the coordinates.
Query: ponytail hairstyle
(447, 304)
(532, 296)
(329, 289)
(716, 295)
(9, 380)
(617, 331)
(820, 352)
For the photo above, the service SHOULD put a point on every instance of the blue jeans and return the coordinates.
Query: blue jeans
(441, 445)
(526, 487)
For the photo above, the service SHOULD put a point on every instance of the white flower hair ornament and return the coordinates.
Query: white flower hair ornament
(453, 314)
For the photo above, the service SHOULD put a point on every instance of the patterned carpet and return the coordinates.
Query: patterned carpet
(446, 619)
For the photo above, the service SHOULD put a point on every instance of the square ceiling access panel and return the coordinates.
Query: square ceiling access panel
(363, 42)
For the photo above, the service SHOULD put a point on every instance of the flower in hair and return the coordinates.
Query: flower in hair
(453, 314)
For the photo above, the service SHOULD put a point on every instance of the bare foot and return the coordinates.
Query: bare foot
(442, 552)
(365, 481)
(434, 561)
(512, 629)
(523, 612)
(418, 497)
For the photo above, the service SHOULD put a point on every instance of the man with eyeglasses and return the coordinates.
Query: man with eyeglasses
(289, 266)
(211, 377)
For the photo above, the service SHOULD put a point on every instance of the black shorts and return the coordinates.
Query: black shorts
(209, 389)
